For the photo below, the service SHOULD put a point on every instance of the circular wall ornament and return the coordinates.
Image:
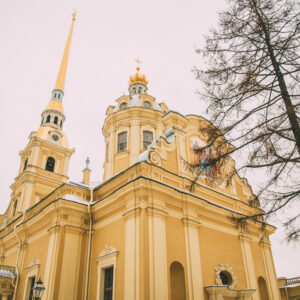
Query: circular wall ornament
(154, 158)
(225, 276)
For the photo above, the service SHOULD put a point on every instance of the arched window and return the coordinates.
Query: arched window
(134, 90)
(177, 281)
(60, 123)
(140, 90)
(123, 105)
(25, 164)
(58, 96)
(122, 141)
(147, 104)
(147, 139)
(48, 118)
(262, 287)
(55, 120)
(50, 164)
(54, 95)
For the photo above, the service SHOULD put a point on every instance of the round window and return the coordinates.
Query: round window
(225, 278)
(55, 137)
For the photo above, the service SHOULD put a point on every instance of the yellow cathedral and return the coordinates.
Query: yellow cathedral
(141, 234)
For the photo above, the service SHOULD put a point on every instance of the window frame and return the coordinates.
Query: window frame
(119, 149)
(108, 282)
(106, 259)
(147, 104)
(50, 157)
(123, 105)
(32, 271)
(144, 141)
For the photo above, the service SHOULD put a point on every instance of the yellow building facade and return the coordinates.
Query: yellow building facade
(142, 233)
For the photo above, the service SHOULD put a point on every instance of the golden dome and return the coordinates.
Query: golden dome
(138, 77)
(57, 105)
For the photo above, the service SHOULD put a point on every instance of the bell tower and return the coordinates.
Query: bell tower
(45, 160)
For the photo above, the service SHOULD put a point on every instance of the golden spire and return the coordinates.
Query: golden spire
(60, 82)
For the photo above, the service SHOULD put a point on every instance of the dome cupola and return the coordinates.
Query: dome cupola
(138, 83)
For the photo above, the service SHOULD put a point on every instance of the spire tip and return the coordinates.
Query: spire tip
(74, 14)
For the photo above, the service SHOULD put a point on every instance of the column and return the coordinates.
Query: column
(272, 283)
(248, 264)
(132, 266)
(194, 269)
(157, 254)
(68, 288)
(51, 262)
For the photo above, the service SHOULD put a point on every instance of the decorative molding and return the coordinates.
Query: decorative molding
(134, 212)
(154, 158)
(156, 212)
(225, 268)
(191, 222)
(35, 263)
(107, 251)
(245, 238)
(74, 229)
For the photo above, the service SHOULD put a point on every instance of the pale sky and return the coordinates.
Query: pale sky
(108, 36)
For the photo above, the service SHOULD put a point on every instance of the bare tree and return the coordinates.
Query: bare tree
(251, 83)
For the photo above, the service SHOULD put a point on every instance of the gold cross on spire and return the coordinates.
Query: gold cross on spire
(138, 62)
(74, 14)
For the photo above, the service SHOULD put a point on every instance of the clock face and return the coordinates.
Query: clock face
(55, 137)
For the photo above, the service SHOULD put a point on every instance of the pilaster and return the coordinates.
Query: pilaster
(272, 282)
(132, 267)
(248, 264)
(157, 254)
(194, 269)
(51, 262)
(68, 288)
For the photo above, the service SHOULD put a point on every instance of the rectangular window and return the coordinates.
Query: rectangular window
(147, 139)
(122, 141)
(108, 283)
(31, 285)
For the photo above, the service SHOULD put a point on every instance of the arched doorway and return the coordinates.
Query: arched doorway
(262, 287)
(177, 281)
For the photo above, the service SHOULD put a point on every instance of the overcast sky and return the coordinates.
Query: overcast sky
(108, 36)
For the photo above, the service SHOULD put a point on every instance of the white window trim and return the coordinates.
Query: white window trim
(107, 258)
(32, 271)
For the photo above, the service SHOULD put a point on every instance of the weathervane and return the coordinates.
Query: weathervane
(138, 62)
